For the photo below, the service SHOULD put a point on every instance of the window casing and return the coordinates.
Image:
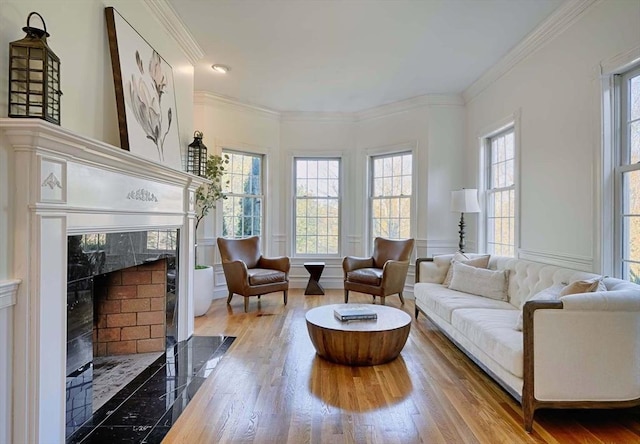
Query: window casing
(390, 195)
(500, 214)
(317, 206)
(242, 210)
(627, 178)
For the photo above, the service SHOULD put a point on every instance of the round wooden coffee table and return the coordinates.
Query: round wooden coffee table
(358, 342)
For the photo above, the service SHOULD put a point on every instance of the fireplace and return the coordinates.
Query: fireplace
(68, 185)
(121, 297)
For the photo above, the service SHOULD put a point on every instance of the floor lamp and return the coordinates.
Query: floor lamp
(464, 201)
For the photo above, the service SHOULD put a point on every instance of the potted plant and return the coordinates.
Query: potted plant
(207, 196)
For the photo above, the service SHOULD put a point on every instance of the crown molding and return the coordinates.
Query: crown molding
(554, 25)
(302, 116)
(427, 100)
(409, 104)
(175, 27)
(209, 98)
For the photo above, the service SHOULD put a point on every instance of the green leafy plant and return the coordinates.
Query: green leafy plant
(209, 194)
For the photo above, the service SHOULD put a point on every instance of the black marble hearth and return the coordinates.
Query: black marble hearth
(146, 408)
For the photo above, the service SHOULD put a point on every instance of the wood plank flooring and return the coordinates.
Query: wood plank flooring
(270, 387)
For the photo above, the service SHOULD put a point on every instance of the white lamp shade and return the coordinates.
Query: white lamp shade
(465, 201)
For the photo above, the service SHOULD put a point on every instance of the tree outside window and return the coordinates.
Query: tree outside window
(317, 206)
(390, 196)
(242, 210)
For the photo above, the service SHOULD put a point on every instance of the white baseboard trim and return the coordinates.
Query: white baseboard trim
(8, 292)
(582, 263)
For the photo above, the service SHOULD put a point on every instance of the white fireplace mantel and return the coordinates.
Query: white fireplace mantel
(65, 183)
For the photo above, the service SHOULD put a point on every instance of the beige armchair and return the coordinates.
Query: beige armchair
(248, 273)
(383, 273)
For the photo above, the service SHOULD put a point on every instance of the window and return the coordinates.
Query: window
(628, 178)
(391, 191)
(501, 194)
(242, 209)
(317, 206)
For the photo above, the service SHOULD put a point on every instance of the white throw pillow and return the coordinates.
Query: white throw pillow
(548, 294)
(487, 283)
(478, 261)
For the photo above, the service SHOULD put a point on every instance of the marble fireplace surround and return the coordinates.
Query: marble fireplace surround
(66, 184)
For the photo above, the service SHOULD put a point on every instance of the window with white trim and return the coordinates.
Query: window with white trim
(500, 211)
(390, 195)
(627, 173)
(317, 206)
(242, 183)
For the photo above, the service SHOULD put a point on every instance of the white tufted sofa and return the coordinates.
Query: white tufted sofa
(581, 351)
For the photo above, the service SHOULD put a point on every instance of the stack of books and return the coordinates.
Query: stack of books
(355, 313)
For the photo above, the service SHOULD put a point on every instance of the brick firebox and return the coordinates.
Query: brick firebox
(130, 310)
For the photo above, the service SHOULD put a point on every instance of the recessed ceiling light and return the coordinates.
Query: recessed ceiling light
(223, 69)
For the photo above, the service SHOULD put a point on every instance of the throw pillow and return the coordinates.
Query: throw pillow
(479, 281)
(548, 294)
(479, 262)
(584, 286)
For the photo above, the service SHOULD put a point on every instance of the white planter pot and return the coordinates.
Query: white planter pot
(202, 290)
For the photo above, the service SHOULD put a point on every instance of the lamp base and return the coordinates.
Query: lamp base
(461, 232)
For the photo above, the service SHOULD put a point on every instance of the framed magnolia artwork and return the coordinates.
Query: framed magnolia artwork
(145, 94)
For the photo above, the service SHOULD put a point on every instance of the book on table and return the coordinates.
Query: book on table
(355, 313)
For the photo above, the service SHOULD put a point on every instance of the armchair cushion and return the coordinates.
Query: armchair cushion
(261, 276)
(367, 276)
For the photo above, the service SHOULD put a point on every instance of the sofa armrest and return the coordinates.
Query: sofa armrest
(350, 263)
(616, 300)
(432, 270)
(579, 358)
(281, 263)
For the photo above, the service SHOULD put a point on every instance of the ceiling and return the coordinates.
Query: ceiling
(351, 55)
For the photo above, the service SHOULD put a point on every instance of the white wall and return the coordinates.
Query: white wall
(431, 126)
(79, 38)
(251, 129)
(557, 91)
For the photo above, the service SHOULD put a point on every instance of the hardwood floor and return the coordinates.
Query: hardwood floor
(270, 387)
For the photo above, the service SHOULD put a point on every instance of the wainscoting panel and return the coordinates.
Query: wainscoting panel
(582, 263)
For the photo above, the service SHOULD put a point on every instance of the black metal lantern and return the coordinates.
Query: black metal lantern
(197, 156)
(34, 76)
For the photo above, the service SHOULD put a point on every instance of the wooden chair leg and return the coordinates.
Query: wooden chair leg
(229, 298)
(285, 297)
(417, 311)
(246, 304)
(259, 296)
(401, 298)
(374, 298)
(346, 296)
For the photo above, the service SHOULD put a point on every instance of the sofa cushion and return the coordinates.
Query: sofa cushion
(488, 283)
(479, 262)
(367, 276)
(261, 276)
(492, 331)
(443, 301)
